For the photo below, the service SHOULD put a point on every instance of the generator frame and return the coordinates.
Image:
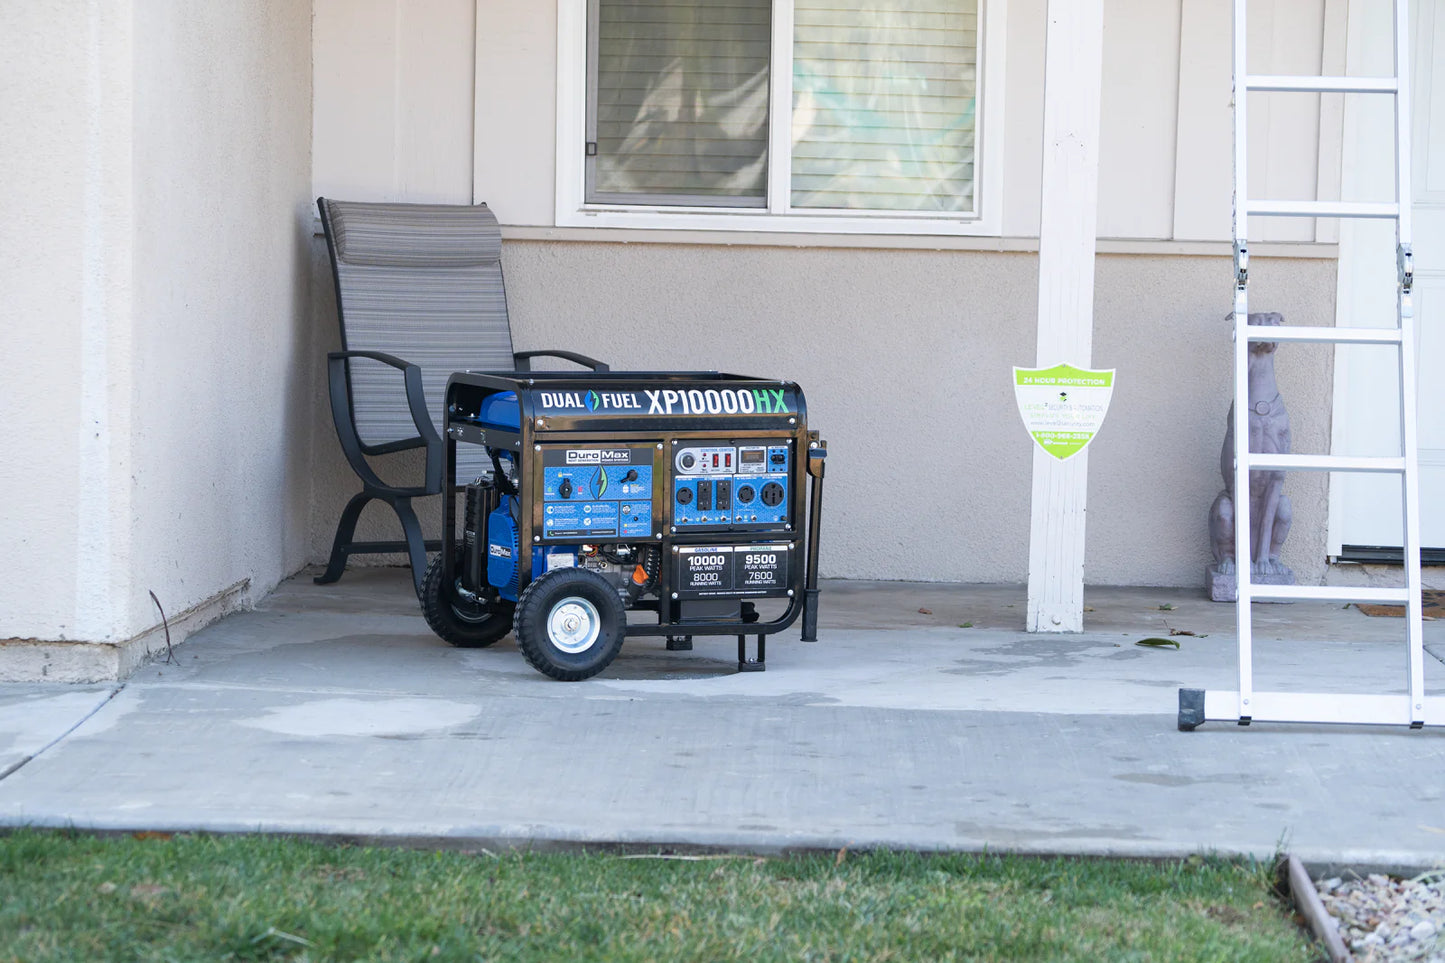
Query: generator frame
(540, 425)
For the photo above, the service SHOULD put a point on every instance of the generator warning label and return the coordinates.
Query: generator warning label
(734, 570)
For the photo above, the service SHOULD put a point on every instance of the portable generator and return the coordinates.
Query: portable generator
(695, 496)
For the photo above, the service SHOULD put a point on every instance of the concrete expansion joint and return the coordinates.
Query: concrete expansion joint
(19, 764)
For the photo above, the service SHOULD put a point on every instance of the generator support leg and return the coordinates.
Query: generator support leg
(752, 665)
(810, 615)
(817, 461)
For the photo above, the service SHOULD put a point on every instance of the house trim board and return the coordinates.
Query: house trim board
(1073, 87)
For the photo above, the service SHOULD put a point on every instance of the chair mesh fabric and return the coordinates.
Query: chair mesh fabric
(424, 283)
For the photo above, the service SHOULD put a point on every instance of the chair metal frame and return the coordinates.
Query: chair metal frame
(373, 487)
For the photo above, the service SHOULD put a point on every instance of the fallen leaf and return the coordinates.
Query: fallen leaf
(1180, 632)
(842, 854)
(149, 834)
(1088, 608)
(1167, 607)
(1157, 643)
(925, 611)
(965, 625)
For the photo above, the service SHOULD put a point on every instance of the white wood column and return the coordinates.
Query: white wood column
(1073, 72)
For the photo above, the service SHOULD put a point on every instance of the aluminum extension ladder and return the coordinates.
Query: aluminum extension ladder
(1411, 707)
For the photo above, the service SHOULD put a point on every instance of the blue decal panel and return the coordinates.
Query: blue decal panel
(600, 491)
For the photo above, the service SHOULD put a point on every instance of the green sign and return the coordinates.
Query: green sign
(1063, 406)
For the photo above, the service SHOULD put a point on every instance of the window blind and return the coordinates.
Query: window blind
(884, 95)
(679, 109)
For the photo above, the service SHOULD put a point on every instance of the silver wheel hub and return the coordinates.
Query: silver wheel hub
(573, 625)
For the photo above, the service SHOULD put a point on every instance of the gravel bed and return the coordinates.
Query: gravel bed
(1386, 920)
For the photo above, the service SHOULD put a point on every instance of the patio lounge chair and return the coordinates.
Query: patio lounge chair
(419, 294)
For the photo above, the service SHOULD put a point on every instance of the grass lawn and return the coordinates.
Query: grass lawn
(76, 897)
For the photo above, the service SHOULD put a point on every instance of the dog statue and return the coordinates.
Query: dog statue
(1270, 512)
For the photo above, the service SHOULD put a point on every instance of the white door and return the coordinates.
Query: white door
(1365, 509)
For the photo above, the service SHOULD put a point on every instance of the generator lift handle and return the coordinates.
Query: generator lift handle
(817, 461)
(523, 359)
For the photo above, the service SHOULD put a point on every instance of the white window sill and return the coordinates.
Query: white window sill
(915, 242)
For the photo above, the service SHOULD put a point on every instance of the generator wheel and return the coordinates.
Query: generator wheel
(570, 624)
(463, 624)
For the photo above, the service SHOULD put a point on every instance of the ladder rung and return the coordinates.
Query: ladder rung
(1324, 335)
(1323, 85)
(1257, 461)
(1322, 209)
(1329, 593)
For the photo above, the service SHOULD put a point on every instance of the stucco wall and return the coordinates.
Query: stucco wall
(905, 358)
(222, 388)
(155, 278)
(65, 272)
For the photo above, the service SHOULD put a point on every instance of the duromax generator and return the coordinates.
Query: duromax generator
(692, 495)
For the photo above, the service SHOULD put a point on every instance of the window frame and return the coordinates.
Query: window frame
(572, 210)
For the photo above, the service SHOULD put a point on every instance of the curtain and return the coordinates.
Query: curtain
(884, 95)
(681, 101)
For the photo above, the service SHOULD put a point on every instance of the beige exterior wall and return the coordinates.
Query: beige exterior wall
(64, 320)
(903, 350)
(155, 273)
(905, 359)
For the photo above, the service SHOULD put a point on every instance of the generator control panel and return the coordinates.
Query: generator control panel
(734, 487)
(597, 491)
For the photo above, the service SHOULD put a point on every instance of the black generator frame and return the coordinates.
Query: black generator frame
(466, 390)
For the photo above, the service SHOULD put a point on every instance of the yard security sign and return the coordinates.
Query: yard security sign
(1063, 406)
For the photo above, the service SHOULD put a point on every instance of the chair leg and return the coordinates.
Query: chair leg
(345, 529)
(415, 543)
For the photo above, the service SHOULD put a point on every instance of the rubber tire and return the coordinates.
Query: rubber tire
(454, 625)
(535, 607)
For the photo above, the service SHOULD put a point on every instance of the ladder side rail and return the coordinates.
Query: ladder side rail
(1404, 195)
(1243, 541)
(1246, 705)
(1409, 410)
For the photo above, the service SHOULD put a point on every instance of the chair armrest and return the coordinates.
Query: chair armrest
(523, 359)
(340, 389)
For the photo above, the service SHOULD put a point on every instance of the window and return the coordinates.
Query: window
(810, 115)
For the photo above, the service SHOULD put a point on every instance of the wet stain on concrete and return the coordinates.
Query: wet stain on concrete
(1026, 653)
(386, 718)
(1172, 780)
(1156, 779)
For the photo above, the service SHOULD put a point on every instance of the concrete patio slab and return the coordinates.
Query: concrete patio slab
(334, 710)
